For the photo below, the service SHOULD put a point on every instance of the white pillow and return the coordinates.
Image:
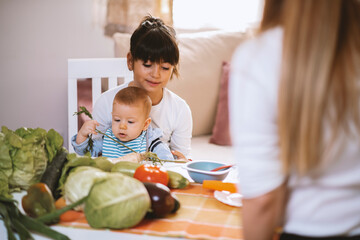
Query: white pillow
(201, 57)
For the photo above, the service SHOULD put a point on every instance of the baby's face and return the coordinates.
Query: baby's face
(128, 121)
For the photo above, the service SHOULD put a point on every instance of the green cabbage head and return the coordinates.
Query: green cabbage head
(25, 154)
(28, 154)
(79, 183)
(117, 202)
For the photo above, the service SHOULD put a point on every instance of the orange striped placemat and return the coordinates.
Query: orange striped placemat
(200, 216)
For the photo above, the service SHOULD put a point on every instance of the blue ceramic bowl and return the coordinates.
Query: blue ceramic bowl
(200, 171)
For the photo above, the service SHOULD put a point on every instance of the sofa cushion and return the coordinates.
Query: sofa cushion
(201, 58)
(201, 149)
(221, 131)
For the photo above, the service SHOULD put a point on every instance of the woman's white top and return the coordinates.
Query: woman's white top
(172, 115)
(325, 203)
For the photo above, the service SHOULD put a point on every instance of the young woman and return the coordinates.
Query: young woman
(153, 57)
(294, 97)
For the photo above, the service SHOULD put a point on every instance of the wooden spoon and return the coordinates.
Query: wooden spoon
(222, 167)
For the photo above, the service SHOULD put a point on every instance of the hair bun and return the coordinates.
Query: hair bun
(152, 22)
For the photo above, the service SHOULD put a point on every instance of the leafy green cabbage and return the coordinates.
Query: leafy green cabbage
(25, 153)
(114, 199)
(117, 202)
(28, 155)
(75, 160)
(79, 183)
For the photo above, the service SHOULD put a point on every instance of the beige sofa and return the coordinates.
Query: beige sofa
(201, 59)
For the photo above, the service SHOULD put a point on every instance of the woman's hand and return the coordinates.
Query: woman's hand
(87, 128)
(263, 215)
(179, 156)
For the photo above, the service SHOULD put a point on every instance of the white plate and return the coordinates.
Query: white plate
(232, 199)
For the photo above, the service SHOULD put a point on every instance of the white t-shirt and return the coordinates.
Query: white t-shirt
(172, 115)
(328, 204)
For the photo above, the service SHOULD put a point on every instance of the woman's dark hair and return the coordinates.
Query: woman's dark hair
(155, 41)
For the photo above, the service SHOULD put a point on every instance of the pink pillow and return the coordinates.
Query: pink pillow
(221, 131)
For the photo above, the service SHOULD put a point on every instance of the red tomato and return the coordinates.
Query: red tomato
(151, 173)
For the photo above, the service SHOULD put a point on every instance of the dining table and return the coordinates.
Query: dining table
(201, 216)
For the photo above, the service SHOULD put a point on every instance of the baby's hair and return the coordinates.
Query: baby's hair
(155, 41)
(134, 95)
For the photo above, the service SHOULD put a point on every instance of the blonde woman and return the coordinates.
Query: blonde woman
(294, 109)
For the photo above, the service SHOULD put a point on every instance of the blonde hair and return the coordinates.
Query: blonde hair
(134, 95)
(319, 77)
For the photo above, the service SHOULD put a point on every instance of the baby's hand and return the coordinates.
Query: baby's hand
(87, 128)
(179, 156)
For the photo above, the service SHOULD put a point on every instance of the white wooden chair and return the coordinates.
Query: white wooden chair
(96, 69)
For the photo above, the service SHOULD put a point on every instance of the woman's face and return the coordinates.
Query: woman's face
(152, 76)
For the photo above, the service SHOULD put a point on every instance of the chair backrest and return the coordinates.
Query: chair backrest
(96, 69)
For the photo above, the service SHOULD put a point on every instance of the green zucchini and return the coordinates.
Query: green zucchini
(53, 171)
(176, 180)
(124, 167)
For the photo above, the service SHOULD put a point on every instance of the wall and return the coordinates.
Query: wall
(36, 39)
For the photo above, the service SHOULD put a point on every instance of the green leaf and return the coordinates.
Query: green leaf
(11, 138)
(54, 142)
(7, 221)
(5, 159)
(74, 161)
(85, 111)
(4, 185)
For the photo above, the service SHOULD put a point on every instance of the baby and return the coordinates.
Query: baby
(130, 126)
